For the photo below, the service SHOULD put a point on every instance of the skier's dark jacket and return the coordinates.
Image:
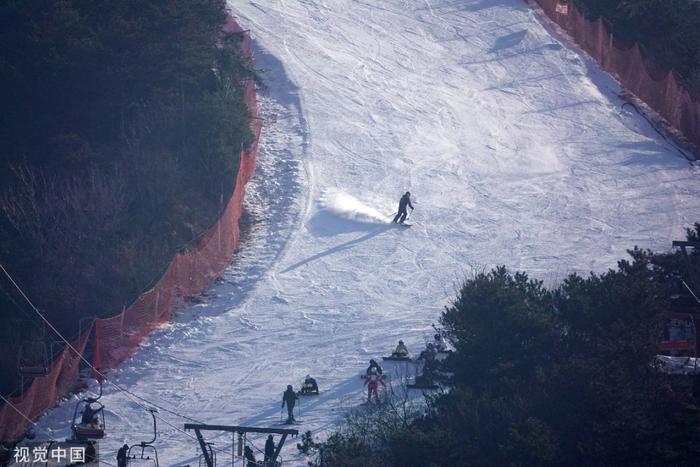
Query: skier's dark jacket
(403, 202)
(269, 449)
(376, 365)
(289, 397)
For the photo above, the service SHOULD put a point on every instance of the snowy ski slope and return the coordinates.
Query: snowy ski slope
(512, 144)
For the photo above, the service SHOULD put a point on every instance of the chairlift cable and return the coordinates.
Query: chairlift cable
(122, 389)
(691, 291)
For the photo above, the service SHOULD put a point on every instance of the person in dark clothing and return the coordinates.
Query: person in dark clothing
(373, 364)
(290, 399)
(89, 414)
(250, 457)
(269, 449)
(401, 215)
(310, 386)
(122, 454)
(91, 454)
(429, 366)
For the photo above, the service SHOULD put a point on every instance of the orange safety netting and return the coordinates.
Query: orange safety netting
(43, 391)
(659, 88)
(188, 274)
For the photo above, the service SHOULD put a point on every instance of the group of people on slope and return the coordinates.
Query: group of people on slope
(270, 449)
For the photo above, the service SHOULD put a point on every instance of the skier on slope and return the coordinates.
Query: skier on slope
(373, 380)
(290, 399)
(373, 364)
(401, 215)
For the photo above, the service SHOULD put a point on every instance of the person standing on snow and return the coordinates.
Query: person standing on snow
(372, 380)
(373, 364)
(269, 449)
(401, 215)
(122, 455)
(290, 399)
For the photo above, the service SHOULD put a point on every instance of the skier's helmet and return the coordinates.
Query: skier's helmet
(289, 387)
(308, 376)
(372, 362)
(408, 193)
(400, 342)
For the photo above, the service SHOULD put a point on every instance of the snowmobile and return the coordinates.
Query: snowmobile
(89, 423)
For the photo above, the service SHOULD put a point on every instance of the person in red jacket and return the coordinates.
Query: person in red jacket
(373, 380)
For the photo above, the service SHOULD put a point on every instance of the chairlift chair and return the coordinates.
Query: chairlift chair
(86, 431)
(33, 357)
(212, 455)
(147, 454)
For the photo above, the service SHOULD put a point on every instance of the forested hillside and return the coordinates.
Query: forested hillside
(547, 377)
(668, 29)
(120, 133)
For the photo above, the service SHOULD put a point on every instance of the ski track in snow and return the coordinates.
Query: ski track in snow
(516, 152)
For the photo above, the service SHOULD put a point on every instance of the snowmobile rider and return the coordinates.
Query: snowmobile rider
(373, 364)
(439, 343)
(401, 351)
(309, 386)
(290, 399)
(401, 215)
(122, 454)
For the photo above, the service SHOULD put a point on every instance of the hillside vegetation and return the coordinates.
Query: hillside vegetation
(544, 377)
(120, 135)
(668, 29)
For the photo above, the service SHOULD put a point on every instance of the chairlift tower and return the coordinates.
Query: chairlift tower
(241, 430)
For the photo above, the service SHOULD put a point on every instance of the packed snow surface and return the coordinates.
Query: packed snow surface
(513, 145)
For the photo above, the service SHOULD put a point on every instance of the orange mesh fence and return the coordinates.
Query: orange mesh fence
(189, 273)
(43, 392)
(659, 88)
